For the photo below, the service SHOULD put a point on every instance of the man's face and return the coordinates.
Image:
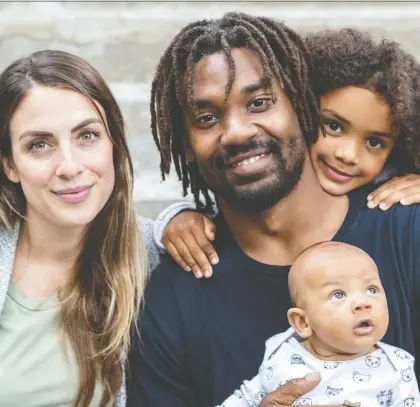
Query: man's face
(249, 150)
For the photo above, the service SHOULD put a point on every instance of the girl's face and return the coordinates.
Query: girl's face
(358, 139)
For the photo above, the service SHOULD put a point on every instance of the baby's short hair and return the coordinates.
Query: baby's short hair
(330, 246)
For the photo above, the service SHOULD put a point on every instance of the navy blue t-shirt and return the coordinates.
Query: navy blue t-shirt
(201, 338)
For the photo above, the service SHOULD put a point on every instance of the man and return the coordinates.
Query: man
(232, 105)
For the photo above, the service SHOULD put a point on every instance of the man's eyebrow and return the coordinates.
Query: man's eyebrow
(335, 115)
(253, 87)
(203, 103)
(261, 84)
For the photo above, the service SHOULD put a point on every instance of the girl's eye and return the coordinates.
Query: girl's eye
(88, 136)
(338, 295)
(260, 103)
(372, 291)
(333, 126)
(374, 142)
(37, 145)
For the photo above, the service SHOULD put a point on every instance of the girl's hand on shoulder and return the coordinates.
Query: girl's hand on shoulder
(405, 190)
(187, 238)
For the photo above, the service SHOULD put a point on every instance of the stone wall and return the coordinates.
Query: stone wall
(124, 41)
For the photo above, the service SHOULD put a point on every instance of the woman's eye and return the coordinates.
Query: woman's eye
(38, 145)
(333, 126)
(338, 295)
(88, 136)
(371, 291)
(374, 143)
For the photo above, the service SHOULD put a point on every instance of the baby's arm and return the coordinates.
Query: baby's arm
(405, 190)
(250, 394)
(187, 235)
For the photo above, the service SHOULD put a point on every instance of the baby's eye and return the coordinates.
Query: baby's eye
(371, 291)
(338, 295)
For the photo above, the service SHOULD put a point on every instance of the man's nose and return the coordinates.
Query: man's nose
(238, 130)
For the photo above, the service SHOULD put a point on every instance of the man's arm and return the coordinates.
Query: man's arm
(157, 374)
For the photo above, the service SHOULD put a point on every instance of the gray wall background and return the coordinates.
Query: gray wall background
(124, 41)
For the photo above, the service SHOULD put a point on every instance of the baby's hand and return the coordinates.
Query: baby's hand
(187, 239)
(405, 190)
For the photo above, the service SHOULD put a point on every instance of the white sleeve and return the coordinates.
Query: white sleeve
(166, 216)
(250, 394)
(407, 392)
(170, 212)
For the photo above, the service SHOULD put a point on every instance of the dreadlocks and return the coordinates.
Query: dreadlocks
(348, 57)
(283, 57)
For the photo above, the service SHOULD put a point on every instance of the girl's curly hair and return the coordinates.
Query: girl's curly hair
(348, 57)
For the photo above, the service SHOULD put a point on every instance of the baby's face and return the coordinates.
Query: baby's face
(358, 139)
(344, 301)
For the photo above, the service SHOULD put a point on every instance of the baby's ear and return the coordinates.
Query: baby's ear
(299, 321)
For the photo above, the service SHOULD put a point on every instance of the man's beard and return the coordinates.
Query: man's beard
(269, 187)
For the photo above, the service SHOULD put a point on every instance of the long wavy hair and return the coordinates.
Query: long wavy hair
(101, 302)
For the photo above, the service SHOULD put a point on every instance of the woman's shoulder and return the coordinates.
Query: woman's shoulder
(8, 241)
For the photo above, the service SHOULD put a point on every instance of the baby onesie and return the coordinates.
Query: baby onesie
(384, 378)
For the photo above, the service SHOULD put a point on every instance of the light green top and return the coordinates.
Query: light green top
(36, 370)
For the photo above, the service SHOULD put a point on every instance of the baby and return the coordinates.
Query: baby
(338, 318)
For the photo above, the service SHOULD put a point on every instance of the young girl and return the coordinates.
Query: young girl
(72, 261)
(369, 127)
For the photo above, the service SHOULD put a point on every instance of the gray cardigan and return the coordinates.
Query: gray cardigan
(8, 243)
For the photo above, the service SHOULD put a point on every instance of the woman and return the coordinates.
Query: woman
(72, 261)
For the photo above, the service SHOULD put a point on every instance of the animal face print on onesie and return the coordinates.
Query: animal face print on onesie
(332, 392)
(296, 360)
(407, 374)
(330, 365)
(372, 361)
(384, 398)
(361, 378)
(259, 396)
(402, 354)
(409, 402)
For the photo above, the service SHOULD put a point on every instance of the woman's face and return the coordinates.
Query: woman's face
(61, 155)
(358, 139)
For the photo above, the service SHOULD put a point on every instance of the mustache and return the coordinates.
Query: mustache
(270, 145)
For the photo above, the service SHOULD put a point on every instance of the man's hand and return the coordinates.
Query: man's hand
(292, 390)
